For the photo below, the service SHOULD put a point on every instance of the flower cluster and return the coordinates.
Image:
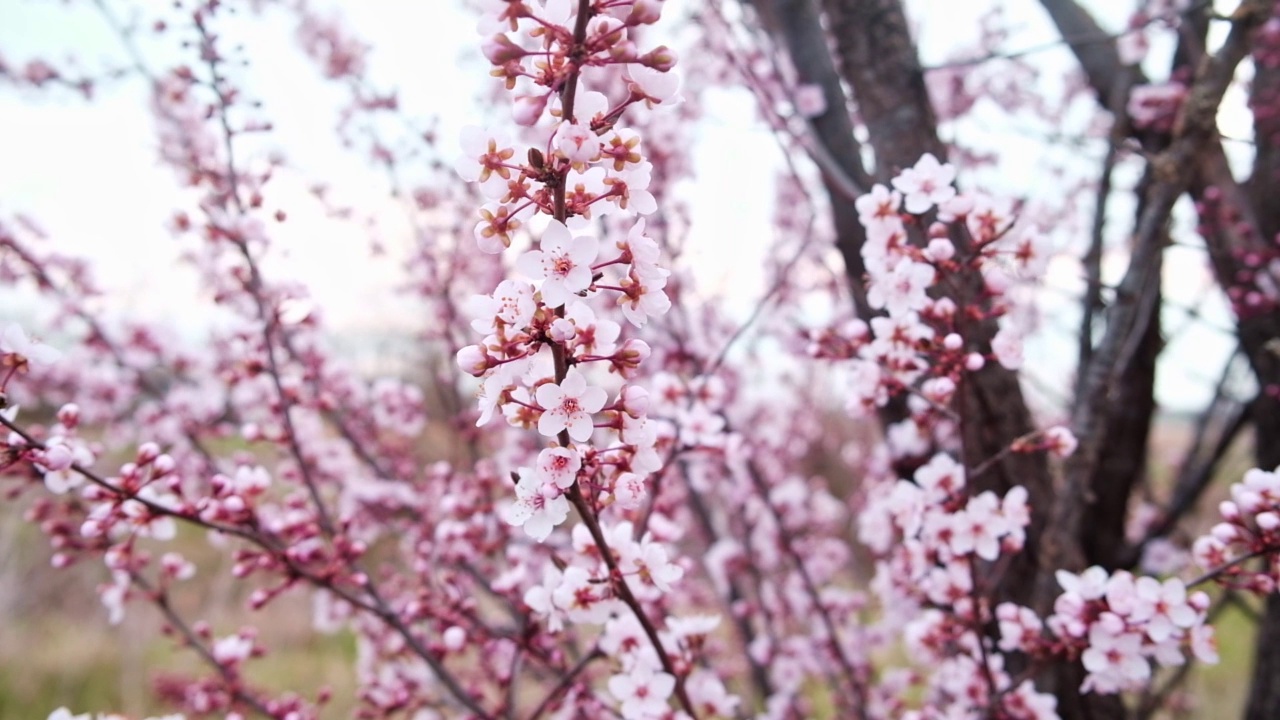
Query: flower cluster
(1117, 625)
(544, 333)
(935, 544)
(630, 522)
(1250, 528)
(923, 235)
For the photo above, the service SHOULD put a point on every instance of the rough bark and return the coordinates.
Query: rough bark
(878, 59)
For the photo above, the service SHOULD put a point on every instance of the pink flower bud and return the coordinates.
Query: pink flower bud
(57, 458)
(953, 342)
(940, 249)
(472, 360)
(455, 638)
(563, 330)
(501, 50)
(1268, 521)
(1249, 501)
(810, 100)
(147, 452)
(974, 362)
(645, 12)
(939, 389)
(1060, 441)
(528, 108)
(997, 280)
(634, 352)
(163, 465)
(69, 415)
(634, 401)
(1229, 511)
(1224, 532)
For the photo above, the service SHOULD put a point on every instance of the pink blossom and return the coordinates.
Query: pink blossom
(563, 264)
(643, 692)
(903, 289)
(539, 506)
(510, 306)
(577, 143)
(629, 490)
(1114, 658)
(656, 86)
(581, 599)
(649, 561)
(927, 184)
(558, 466)
(569, 405)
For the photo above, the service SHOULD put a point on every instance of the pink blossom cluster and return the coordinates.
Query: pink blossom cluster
(935, 545)
(628, 522)
(543, 338)
(1256, 288)
(1118, 625)
(923, 235)
(1250, 528)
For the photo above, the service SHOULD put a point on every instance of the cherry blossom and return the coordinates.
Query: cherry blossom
(569, 406)
(563, 264)
(643, 692)
(926, 184)
(539, 506)
(558, 466)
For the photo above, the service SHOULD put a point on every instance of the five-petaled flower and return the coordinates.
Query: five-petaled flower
(563, 263)
(568, 406)
(927, 184)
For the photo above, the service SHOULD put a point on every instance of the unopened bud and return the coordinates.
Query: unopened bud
(500, 50)
(661, 58)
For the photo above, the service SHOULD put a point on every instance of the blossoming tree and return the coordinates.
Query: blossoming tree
(613, 506)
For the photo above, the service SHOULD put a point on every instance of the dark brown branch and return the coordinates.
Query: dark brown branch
(231, 681)
(797, 26)
(1129, 410)
(1216, 429)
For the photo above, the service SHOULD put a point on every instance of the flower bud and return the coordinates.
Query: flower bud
(563, 330)
(69, 415)
(528, 108)
(472, 360)
(940, 249)
(57, 458)
(147, 452)
(634, 401)
(163, 465)
(501, 50)
(454, 638)
(661, 58)
(645, 12)
(1268, 521)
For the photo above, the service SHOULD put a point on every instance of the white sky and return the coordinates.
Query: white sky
(88, 172)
